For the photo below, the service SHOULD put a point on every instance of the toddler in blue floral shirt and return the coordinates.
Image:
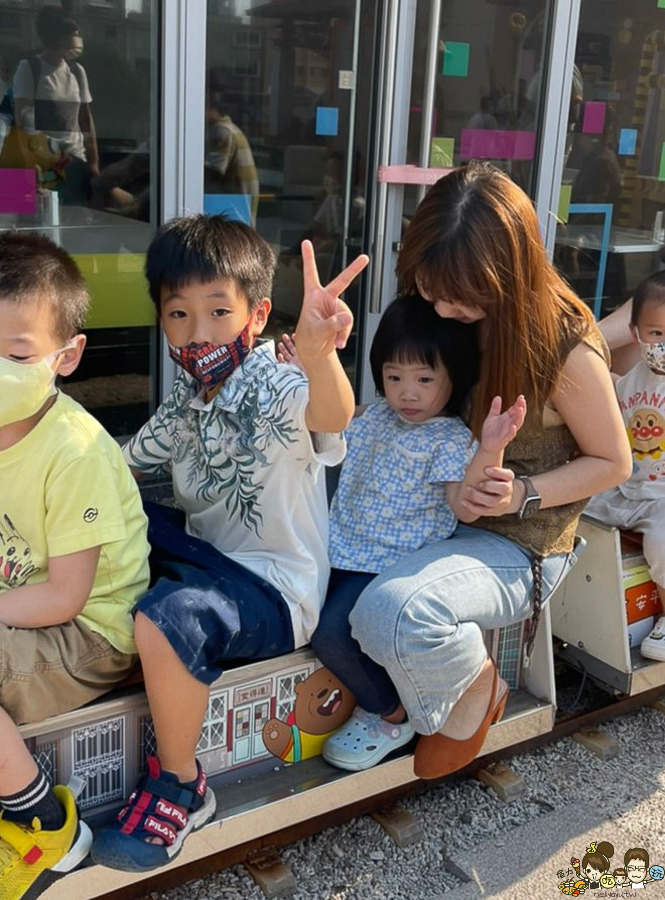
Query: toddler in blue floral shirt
(399, 490)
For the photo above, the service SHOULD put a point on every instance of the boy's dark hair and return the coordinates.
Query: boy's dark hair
(54, 25)
(203, 248)
(410, 331)
(33, 268)
(651, 290)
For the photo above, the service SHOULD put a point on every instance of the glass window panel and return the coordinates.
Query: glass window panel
(287, 134)
(489, 86)
(612, 199)
(78, 143)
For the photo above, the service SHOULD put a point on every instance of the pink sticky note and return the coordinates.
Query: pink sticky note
(18, 191)
(482, 143)
(594, 117)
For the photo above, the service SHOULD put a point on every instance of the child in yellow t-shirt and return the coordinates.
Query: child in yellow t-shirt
(73, 553)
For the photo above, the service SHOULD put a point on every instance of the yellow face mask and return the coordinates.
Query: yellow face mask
(25, 387)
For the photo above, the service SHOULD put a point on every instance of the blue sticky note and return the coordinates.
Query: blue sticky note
(627, 141)
(456, 59)
(327, 120)
(236, 206)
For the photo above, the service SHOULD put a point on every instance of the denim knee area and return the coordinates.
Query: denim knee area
(209, 607)
(422, 618)
(210, 619)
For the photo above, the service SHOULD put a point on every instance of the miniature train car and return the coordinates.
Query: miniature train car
(263, 783)
(261, 738)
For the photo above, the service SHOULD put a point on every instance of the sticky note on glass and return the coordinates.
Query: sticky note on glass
(564, 202)
(327, 120)
(235, 206)
(627, 141)
(441, 153)
(594, 117)
(456, 59)
(18, 192)
(481, 143)
(661, 171)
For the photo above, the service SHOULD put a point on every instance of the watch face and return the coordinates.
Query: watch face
(531, 507)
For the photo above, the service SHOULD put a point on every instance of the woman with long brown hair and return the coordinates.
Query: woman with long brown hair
(474, 250)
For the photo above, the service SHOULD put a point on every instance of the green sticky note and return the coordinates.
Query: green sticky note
(456, 59)
(441, 153)
(661, 4)
(661, 171)
(564, 202)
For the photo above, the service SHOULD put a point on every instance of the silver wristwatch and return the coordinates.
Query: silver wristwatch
(532, 499)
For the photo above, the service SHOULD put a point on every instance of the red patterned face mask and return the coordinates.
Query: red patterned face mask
(210, 363)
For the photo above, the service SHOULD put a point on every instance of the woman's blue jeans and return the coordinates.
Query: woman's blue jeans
(421, 619)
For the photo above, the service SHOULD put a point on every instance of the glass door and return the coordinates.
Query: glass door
(459, 80)
(287, 131)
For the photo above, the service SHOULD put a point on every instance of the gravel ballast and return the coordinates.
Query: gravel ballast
(359, 861)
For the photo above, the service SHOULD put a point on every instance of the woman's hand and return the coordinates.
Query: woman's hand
(496, 496)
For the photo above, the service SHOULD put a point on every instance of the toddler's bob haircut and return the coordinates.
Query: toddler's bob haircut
(410, 331)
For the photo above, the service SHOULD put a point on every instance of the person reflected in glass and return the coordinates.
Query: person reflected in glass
(484, 118)
(229, 163)
(6, 101)
(51, 95)
(124, 186)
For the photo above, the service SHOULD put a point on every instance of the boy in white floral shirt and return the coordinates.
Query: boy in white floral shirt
(241, 572)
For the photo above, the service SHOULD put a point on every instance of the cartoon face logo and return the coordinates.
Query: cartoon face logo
(636, 862)
(15, 554)
(657, 471)
(323, 703)
(646, 431)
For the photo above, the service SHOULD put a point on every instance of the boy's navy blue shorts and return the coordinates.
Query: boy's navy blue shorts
(209, 608)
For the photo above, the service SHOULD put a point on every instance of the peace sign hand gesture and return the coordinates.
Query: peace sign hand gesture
(325, 321)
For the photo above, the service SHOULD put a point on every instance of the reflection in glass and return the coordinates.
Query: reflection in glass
(287, 131)
(78, 102)
(614, 153)
(489, 85)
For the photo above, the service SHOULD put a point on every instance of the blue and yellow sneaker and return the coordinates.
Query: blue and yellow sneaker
(32, 859)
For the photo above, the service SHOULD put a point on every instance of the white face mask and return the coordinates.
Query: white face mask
(653, 355)
(25, 387)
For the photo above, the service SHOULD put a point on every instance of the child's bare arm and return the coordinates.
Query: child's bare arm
(323, 328)
(498, 431)
(57, 600)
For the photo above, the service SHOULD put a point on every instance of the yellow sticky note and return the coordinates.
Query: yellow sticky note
(442, 152)
(564, 202)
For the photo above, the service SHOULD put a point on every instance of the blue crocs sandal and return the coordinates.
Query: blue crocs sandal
(364, 740)
(151, 812)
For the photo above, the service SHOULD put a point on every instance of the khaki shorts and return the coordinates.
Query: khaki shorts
(48, 671)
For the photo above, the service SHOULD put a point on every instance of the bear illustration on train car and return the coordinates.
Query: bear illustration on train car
(322, 705)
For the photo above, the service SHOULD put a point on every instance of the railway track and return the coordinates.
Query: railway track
(330, 798)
